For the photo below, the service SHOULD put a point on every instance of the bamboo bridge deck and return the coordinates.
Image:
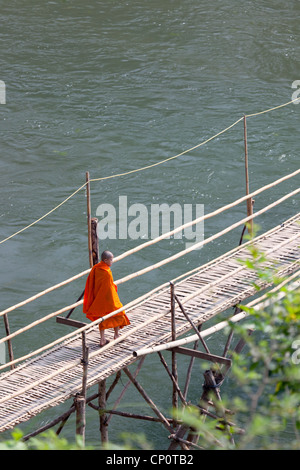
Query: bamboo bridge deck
(212, 289)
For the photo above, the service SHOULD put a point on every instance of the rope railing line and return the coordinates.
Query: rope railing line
(170, 158)
(157, 265)
(45, 215)
(146, 167)
(119, 175)
(156, 240)
(144, 297)
(272, 109)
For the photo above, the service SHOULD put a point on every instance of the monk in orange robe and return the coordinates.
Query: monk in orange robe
(101, 298)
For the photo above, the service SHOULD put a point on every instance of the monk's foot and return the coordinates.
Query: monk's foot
(104, 344)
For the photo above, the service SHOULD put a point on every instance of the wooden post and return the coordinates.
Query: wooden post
(174, 360)
(102, 406)
(95, 241)
(88, 200)
(9, 343)
(80, 399)
(249, 201)
(80, 416)
(85, 363)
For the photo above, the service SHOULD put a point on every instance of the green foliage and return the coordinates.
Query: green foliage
(265, 397)
(47, 441)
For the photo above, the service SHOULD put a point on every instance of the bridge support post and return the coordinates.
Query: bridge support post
(9, 343)
(80, 399)
(80, 416)
(102, 406)
(174, 360)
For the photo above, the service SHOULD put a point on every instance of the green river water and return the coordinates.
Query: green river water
(111, 86)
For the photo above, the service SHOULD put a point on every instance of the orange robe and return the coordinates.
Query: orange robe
(101, 298)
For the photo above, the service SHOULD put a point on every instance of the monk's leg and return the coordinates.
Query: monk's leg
(116, 332)
(102, 338)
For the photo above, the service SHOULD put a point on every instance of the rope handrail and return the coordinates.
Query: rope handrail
(157, 239)
(156, 266)
(146, 167)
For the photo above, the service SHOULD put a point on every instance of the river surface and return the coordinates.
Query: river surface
(112, 86)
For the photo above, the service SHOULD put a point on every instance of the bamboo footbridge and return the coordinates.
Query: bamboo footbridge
(161, 320)
(60, 370)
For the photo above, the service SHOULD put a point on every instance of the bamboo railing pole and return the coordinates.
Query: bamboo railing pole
(249, 201)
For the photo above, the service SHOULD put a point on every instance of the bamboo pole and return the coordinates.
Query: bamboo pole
(249, 200)
(192, 324)
(135, 416)
(189, 371)
(85, 363)
(88, 201)
(80, 416)
(80, 400)
(9, 343)
(174, 360)
(175, 382)
(62, 418)
(148, 400)
(102, 407)
(95, 241)
(125, 388)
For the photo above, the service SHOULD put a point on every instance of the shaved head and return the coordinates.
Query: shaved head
(106, 255)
